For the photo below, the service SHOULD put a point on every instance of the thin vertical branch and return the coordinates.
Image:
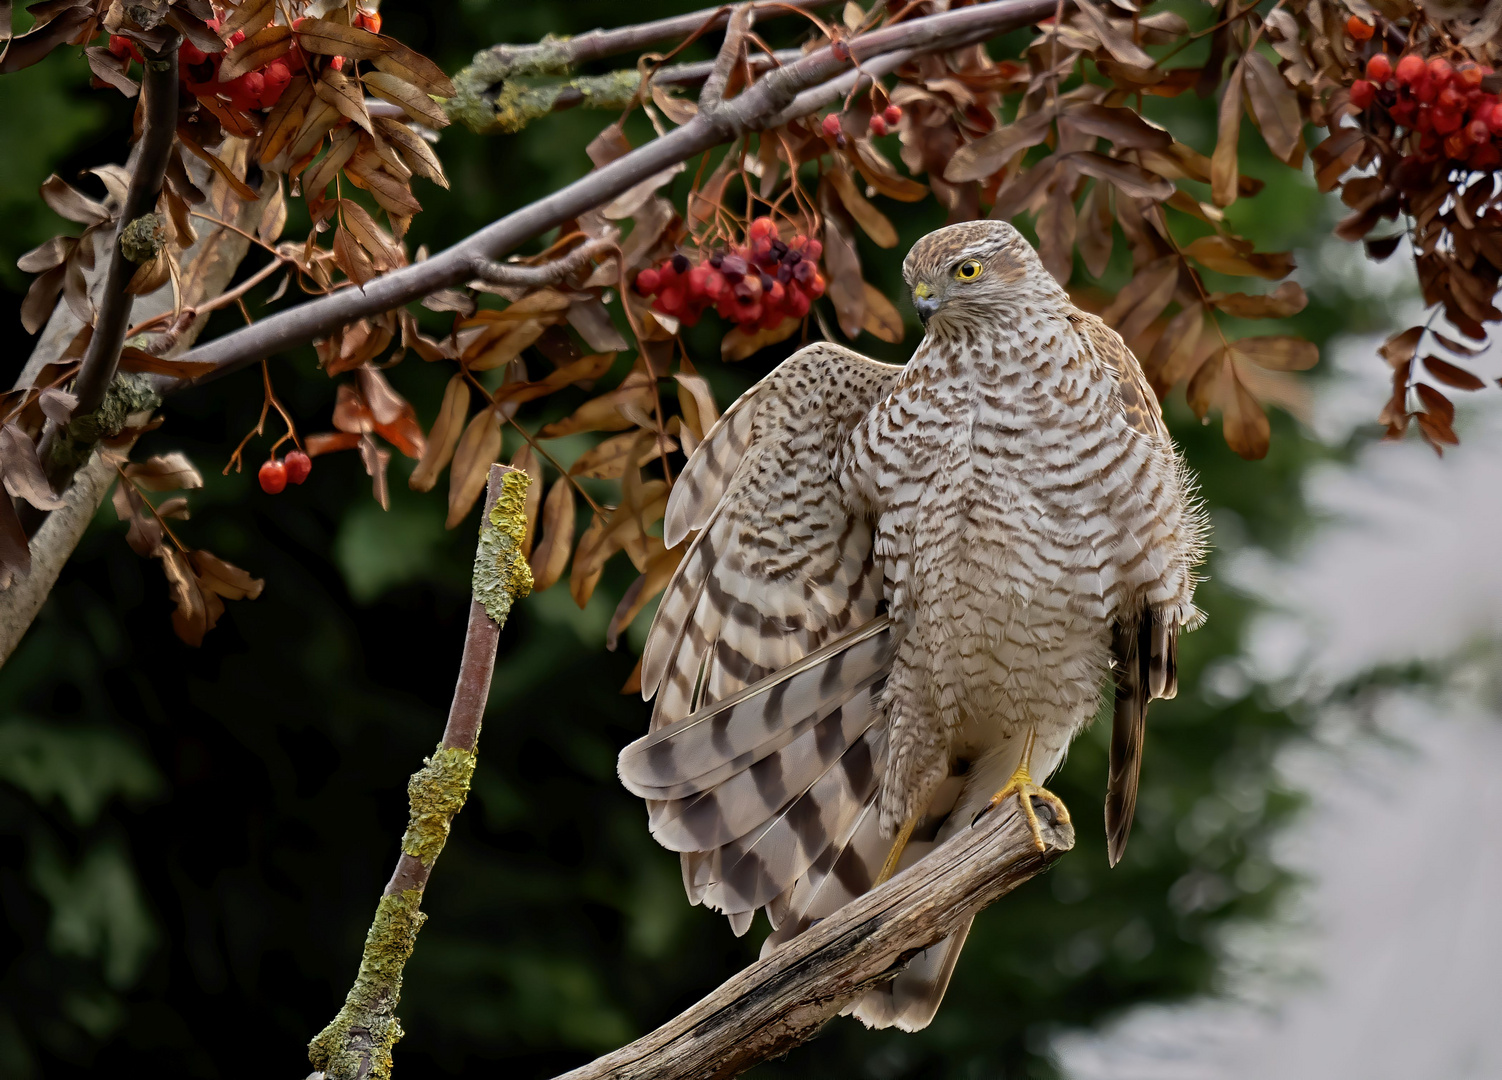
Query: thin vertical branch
(357, 1043)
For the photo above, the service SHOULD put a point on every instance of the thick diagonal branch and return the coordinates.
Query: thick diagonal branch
(765, 101)
(783, 999)
(357, 1043)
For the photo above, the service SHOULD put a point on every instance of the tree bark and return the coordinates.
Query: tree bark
(785, 998)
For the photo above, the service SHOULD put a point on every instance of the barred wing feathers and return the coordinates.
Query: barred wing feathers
(767, 657)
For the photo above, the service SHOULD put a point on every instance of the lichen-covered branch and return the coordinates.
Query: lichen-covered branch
(785, 998)
(137, 239)
(357, 1043)
(765, 101)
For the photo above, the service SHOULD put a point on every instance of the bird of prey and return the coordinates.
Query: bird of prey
(908, 586)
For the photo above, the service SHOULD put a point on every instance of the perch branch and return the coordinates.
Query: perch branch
(764, 101)
(736, 30)
(783, 999)
(549, 273)
(357, 1043)
(158, 129)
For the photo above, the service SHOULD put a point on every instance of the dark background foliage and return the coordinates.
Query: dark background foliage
(194, 840)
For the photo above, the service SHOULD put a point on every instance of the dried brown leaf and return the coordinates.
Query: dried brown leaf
(256, 51)
(165, 472)
(1243, 422)
(1223, 163)
(1278, 352)
(413, 100)
(550, 555)
(478, 448)
(875, 224)
(1450, 375)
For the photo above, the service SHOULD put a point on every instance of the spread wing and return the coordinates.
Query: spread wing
(767, 656)
(1144, 643)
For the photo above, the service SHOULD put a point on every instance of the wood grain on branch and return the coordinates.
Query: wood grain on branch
(357, 1043)
(766, 101)
(783, 999)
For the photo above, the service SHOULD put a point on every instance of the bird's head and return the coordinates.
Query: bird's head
(974, 271)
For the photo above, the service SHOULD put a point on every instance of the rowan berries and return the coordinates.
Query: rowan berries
(878, 125)
(1410, 70)
(1363, 94)
(892, 114)
(1359, 29)
(1379, 68)
(298, 466)
(831, 125)
(1440, 71)
(273, 477)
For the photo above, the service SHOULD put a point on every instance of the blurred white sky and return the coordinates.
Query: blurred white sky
(1388, 963)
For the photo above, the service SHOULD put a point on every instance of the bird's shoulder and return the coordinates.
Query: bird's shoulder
(1134, 396)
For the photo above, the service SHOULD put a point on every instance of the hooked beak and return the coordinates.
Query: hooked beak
(925, 301)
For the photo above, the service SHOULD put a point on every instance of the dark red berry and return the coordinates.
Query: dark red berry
(647, 281)
(298, 465)
(831, 125)
(1440, 71)
(761, 227)
(1379, 68)
(1478, 131)
(1363, 94)
(1450, 98)
(892, 113)
(273, 476)
(878, 125)
(1410, 70)
(1468, 75)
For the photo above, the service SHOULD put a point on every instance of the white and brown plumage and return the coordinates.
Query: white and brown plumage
(907, 590)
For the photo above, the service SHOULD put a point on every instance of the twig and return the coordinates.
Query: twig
(548, 273)
(159, 126)
(783, 999)
(772, 99)
(357, 1043)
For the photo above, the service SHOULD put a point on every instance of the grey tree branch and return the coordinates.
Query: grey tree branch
(736, 30)
(158, 130)
(766, 100)
(549, 273)
(357, 1043)
(783, 999)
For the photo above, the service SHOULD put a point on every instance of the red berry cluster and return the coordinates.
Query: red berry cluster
(276, 475)
(1443, 103)
(251, 91)
(755, 285)
(880, 124)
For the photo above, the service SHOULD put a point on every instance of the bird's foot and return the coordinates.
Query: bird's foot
(1026, 789)
(889, 867)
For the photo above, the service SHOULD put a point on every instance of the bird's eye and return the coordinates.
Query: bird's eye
(968, 270)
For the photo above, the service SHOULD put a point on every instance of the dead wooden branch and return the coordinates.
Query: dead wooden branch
(783, 999)
(357, 1043)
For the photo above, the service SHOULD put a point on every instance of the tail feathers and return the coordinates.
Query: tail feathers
(738, 805)
(1146, 661)
(910, 1001)
(713, 744)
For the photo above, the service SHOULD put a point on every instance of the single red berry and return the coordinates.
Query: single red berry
(1440, 70)
(1363, 94)
(1410, 70)
(698, 281)
(1446, 122)
(670, 300)
(337, 63)
(1426, 90)
(714, 284)
(1359, 28)
(119, 45)
(812, 250)
(1492, 114)
(830, 125)
(891, 114)
(761, 227)
(775, 295)
(839, 50)
(1403, 113)
(278, 76)
(797, 303)
(1423, 121)
(878, 125)
(1468, 75)
(1478, 131)
(298, 466)
(1379, 68)
(188, 53)
(815, 287)
(368, 20)
(1450, 98)
(273, 476)
(237, 37)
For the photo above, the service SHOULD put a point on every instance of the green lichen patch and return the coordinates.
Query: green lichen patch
(142, 240)
(130, 392)
(505, 88)
(436, 793)
(358, 1041)
(502, 575)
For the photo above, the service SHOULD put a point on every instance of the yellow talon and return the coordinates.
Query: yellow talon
(889, 867)
(1021, 784)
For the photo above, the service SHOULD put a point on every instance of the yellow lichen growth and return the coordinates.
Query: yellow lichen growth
(502, 575)
(436, 792)
(358, 1041)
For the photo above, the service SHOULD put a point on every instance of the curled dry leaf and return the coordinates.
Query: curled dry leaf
(696, 402)
(1224, 162)
(478, 448)
(1278, 352)
(1287, 299)
(444, 436)
(550, 555)
(610, 459)
(1243, 422)
(875, 224)
(1451, 375)
(24, 478)
(165, 472)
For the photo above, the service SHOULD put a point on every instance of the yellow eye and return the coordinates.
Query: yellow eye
(968, 270)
